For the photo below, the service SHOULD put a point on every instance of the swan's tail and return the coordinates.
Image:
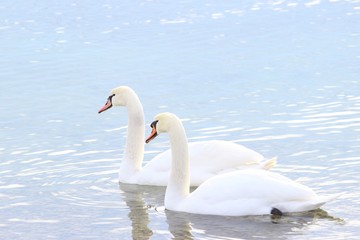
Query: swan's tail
(324, 199)
(321, 200)
(269, 163)
(302, 206)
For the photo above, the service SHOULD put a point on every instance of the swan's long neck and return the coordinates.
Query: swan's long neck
(134, 148)
(179, 181)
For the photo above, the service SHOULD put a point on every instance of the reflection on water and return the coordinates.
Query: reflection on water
(133, 195)
(190, 226)
(194, 226)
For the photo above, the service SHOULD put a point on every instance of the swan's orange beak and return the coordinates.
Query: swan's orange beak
(107, 105)
(153, 133)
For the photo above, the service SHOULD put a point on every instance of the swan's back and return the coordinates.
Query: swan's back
(215, 155)
(250, 192)
(207, 159)
(210, 158)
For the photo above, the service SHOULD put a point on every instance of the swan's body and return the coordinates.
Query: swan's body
(237, 193)
(208, 158)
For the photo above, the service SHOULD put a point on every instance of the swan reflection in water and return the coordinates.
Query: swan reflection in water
(185, 225)
(143, 199)
(134, 196)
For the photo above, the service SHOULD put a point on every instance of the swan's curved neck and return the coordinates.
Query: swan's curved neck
(134, 148)
(179, 181)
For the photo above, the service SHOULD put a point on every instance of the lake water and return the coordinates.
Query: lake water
(281, 77)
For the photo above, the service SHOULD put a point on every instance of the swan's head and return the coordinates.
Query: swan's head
(162, 123)
(117, 97)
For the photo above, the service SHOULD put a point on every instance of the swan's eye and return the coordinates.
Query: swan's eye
(153, 124)
(110, 97)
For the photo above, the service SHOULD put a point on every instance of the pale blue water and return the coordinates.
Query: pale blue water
(281, 77)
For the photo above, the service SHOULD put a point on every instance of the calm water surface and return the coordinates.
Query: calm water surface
(281, 77)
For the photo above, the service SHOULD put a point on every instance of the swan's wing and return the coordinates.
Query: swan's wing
(156, 171)
(217, 155)
(211, 158)
(255, 184)
(161, 162)
(249, 192)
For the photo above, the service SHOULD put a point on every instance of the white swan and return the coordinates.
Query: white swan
(208, 158)
(238, 193)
